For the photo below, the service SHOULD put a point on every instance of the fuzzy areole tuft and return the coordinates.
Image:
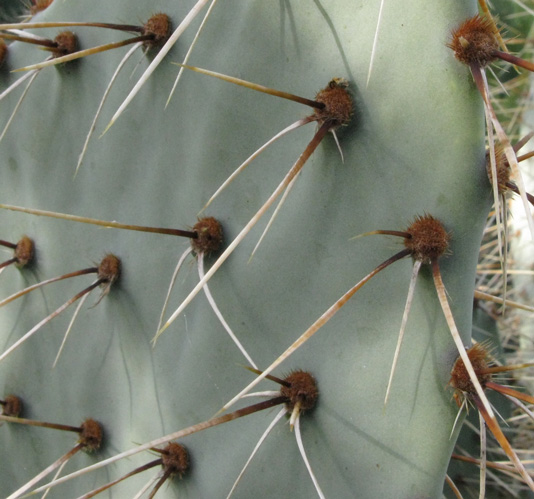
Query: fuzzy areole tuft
(428, 239)
(3, 52)
(338, 104)
(12, 406)
(503, 169)
(67, 43)
(160, 26)
(39, 5)
(210, 236)
(302, 389)
(475, 42)
(91, 435)
(480, 359)
(109, 269)
(24, 252)
(175, 459)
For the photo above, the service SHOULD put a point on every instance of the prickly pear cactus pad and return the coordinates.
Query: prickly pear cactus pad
(414, 146)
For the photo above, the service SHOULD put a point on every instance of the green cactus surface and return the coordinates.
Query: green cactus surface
(415, 146)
